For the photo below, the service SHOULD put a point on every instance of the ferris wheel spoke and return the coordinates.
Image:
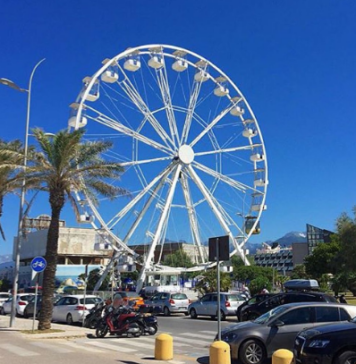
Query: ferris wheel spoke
(209, 198)
(212, 124)
(160, 226)
(192, 104)
(192, 216)
(116, 125)
(228, 150)
(145, 208)
(134, 163)
(231, 182)
(130, 90)
(139, 196)
(162, 80)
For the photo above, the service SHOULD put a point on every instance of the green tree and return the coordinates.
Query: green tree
(208, 282)
(323, 259)
(299, 272)
(11, 162)
(93, 277)
(178, 259)
(258, 284)
(346, 227)
(66, 164)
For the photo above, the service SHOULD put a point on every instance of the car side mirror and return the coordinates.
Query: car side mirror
(277, 323)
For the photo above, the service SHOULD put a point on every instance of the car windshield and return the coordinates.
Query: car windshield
(90, 300)
(179, 296)
(233, 298)
(270, 315)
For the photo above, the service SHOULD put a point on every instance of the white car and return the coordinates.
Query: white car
(21, 302)
(4, 296)
(72, 308)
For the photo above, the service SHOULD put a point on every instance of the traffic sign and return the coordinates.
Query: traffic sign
(38, 264)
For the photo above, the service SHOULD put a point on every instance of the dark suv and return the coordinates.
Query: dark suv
(250, 311)
(327, 344)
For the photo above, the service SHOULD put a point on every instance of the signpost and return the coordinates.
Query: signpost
(38, 265)
(219, 251)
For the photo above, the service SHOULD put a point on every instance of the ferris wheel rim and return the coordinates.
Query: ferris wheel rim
(82, 101)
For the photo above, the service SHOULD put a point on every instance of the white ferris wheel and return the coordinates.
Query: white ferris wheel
(194, 158)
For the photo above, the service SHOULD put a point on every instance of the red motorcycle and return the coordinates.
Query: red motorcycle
(118, 321)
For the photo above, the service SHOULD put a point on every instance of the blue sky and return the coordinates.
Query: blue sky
(294, 61)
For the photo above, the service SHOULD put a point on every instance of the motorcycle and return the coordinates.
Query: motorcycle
(118, 321)
(147, 320)
(94, 316)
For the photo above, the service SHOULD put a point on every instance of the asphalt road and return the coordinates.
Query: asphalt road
(191, 341)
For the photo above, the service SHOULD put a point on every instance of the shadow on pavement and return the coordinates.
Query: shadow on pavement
(203, 360)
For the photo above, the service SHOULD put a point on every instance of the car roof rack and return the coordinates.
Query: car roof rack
(302, 285)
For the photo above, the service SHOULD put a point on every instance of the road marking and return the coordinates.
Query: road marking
(111, 347)
(18, 350)
(209, 332)
(76, 346)
(136, 342)
(176, 362)
(52, 347)
(192, 342)
(199, 335)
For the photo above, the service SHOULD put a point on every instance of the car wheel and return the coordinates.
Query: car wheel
(252, 352)
(193, 313)
(166, 311)
(25, 314)
(186, 314)
(347, 357)
(2, 311)
(222, 316)
(69, 319)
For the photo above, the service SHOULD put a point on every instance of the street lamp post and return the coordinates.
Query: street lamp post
(11, 84)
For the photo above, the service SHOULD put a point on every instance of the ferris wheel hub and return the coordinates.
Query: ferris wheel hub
(186, 154)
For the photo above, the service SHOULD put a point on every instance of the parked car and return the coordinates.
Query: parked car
(72, 308)
(21, 302)
(254, 341)
(327, 344)
(29, 309)
(132, 299)
(170, 302)
(4, 296)
(251, 310)
(208, 305)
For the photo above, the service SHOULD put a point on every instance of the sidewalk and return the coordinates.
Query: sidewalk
(68, 331)
(22, 324)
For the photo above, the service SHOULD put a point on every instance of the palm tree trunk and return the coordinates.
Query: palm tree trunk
(57, 202)
(1, 206)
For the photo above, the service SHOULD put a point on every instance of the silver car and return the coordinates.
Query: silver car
(173, 302)
(208, 305)
(251, 342)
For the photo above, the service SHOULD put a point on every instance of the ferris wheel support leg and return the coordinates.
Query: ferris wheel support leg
(105, 273)
(217, 213)
(159, 229)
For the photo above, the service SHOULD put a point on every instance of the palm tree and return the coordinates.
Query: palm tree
(11, 160)
(60, 168)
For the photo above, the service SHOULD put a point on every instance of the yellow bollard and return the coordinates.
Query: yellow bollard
(219, 353)
(282, 356)
(164, 347)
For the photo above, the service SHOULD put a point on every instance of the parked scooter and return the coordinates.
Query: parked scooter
(147, 320)
(118, 321)
(94, 316)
